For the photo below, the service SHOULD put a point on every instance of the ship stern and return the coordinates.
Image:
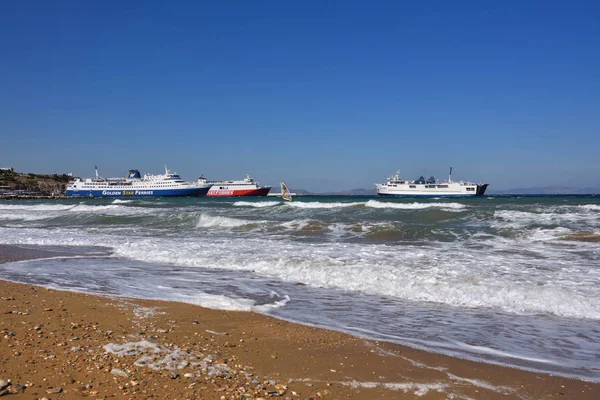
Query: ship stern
(481, 189)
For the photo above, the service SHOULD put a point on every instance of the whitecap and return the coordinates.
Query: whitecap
(318, 204)
(590, 207)
(121, 201)
(217, 221)
(36, 207)
(256, 204)
(413, 206)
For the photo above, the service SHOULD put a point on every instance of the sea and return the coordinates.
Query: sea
(510, 280)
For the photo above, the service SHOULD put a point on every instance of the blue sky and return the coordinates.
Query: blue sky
(325, 95)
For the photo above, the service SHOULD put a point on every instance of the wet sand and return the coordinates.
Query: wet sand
(82, 345)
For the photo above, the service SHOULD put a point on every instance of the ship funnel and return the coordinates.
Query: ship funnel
(133, 174)
(450, 177)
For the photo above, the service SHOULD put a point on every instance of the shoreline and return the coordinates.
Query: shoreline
(61, 336)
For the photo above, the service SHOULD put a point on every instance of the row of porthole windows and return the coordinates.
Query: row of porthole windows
(426, 186)
(116, 186)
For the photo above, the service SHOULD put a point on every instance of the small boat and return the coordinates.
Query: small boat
(285, 192)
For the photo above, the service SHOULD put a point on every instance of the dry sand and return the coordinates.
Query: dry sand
(91, 346)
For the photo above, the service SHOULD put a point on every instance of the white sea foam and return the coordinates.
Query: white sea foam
(318, 204)
(111, 208)
(504, 354)
(153, 355)
(216, 301)
(47, 211)
(261, 204)
(217, 221)
(301, 224)
(413, 206)
(145, 312)
(548, 235)
(264, 308)
(341, 229)
(336, 230)
(23, 215)
(449, 275)
(166, 357)
(590, 207)
(132, 348)
(121, 201)
(418, 389)
(519, 219)
(35, 207)
(452, 277)
(482, 384)
(219, 302)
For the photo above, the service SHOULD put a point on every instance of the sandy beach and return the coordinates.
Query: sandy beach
(66, 345)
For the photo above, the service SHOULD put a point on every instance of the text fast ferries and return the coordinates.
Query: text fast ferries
(134, 185)
(245, 187)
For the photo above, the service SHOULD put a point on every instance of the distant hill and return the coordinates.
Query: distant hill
(353, 192)
(45, 184)
(302, 192)
(547, 190)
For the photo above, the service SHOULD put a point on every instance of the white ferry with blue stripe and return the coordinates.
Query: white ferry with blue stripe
(135, 185)
(398, 187)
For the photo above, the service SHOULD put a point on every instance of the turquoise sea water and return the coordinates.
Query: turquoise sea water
(504, 279)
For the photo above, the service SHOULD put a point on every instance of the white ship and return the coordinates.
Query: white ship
(396, 186)
(135, 185)
(246, 187)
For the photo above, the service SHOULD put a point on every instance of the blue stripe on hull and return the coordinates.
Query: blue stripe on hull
(196, 192)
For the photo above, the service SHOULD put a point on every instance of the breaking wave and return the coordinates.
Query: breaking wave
(36, 207)
(212, 221)
(591, 207)
(318, 204)
(121, 201)
(256, 204)
(413, 206)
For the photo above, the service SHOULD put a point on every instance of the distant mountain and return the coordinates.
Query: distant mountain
(353, 192)
(547, 190)
(302, 192)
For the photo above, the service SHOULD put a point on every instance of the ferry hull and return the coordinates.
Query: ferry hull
(480, 191)
(187, 192)
(424, 195)
(234, 193)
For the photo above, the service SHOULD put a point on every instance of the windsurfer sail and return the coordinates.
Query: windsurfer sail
(285, 192)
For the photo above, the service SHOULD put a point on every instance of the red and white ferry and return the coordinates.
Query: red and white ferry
(246, 187)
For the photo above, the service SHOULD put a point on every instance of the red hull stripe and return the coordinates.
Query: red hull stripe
(230, 193)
